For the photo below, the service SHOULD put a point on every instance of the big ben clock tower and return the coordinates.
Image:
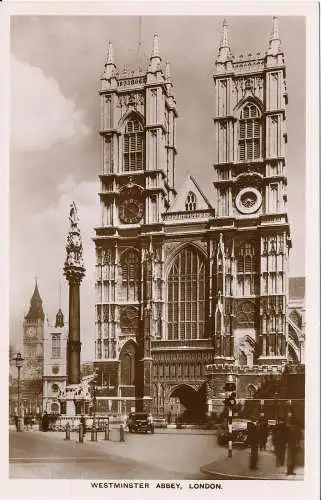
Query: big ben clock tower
(138, 113)
(33, 335)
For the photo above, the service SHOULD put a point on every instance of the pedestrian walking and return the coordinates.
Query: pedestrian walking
(263, 431)
(293, 440)
(279, 442)
(83, 422)
(26, 421)
(253, 441)
(45, 422)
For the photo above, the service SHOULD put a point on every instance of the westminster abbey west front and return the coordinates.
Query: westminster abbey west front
(188, 293)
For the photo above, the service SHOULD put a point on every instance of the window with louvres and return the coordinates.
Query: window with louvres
(130, 275)
(246, 270)
(250, 134)
(133, 146)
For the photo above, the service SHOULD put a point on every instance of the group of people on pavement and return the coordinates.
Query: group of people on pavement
(27, 419)
(286, 434)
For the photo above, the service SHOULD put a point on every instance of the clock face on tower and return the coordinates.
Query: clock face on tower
(248, 200)
(131, 210)
(30, 332)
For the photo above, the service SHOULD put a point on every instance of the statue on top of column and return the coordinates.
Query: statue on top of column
(73, 216)
(74, 259)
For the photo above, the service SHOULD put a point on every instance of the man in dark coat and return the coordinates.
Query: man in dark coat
(45, 422)
(263, 431)
(253, 441)
(83, 422)
(293, 440)
(279, 442)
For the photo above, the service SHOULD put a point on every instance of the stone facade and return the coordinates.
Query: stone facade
(55, 369)
(187, 293)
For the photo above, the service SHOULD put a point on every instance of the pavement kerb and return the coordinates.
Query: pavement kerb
(216, 469)
(226, 475)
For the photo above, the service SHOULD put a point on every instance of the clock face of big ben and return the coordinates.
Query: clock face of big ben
(30, 332)
(131, 210)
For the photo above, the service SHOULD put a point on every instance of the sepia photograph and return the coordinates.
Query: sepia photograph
(157, 292)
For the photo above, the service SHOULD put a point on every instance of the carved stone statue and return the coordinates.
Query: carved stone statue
(73, 216)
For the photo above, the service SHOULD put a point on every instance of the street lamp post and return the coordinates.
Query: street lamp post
(276, 395)
(19, 361)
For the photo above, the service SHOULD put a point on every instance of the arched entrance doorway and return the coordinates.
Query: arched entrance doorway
(188, 404)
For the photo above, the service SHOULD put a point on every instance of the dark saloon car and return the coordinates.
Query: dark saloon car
(140, 422)
(239, 432)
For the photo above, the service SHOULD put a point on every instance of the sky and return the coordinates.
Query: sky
(56, 63)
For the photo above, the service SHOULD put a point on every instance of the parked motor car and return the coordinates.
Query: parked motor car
(140, 422)
(239, 432)
(159, 422)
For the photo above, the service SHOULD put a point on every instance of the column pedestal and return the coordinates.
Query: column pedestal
(70, 400)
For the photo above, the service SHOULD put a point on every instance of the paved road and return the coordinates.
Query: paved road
(159, 456)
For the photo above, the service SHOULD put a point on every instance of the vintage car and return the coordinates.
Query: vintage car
(140, 422)
(239, 432)
(159, 422)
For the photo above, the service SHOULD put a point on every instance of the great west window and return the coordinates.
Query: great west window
(186, 296)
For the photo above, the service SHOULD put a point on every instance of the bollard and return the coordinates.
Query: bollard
(121, 433)
(81, 433)
(107, 432)
(93, 433)
(67, 438)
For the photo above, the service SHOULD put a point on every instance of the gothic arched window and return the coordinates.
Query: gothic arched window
(130, 275)
(186, 296)
(190, 202)
(251, 391)
(250, 133)
(133, 145)
(246, 270)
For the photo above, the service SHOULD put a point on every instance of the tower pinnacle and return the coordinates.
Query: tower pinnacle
(155, 52)
(224, 51)
(275, 41)
(110, 53)
(155, 60)
(110, 64)
(275, 35)
(224, 40)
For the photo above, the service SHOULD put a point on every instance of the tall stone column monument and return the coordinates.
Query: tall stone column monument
(74, 272)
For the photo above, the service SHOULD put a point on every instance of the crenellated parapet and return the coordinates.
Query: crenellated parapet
(229, 369)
